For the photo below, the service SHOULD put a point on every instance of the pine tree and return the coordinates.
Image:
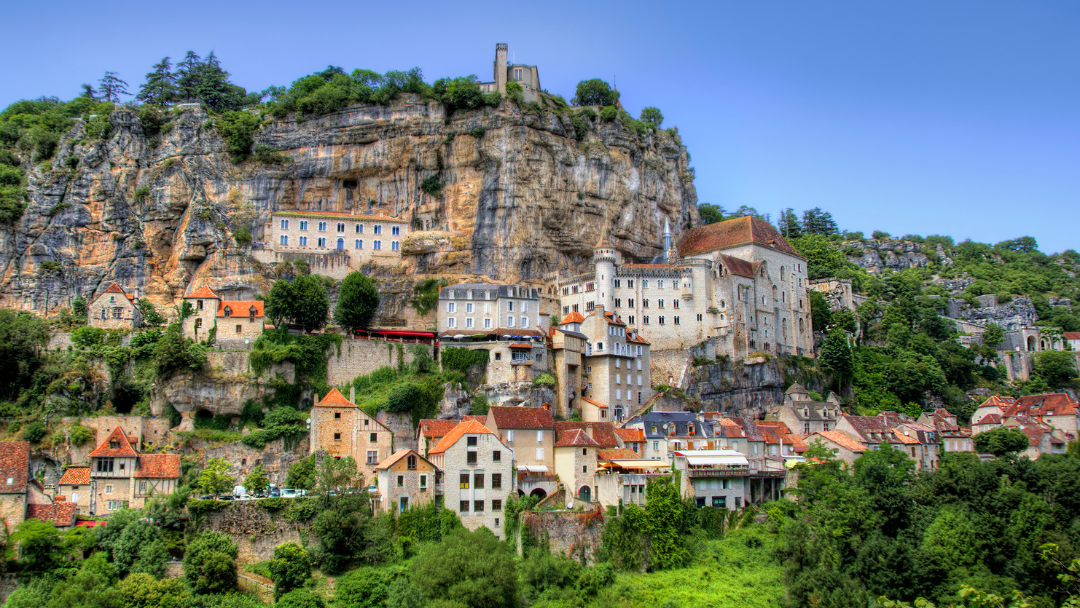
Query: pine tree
(789, 225)
(816, 221)
(89, 92)
(836, 358)
(160, 87)
(111, 87)
(215, 90)
(188, 77)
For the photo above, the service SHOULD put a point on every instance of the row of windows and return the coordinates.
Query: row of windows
(358, 244)
(478, 506)
(451, 307)
(629, 379)
(451, 322)
(359, 228)
(476, 479)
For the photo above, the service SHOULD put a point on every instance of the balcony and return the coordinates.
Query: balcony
(719, 472)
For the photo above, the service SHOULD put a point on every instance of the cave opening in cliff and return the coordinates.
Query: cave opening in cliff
(125, 395)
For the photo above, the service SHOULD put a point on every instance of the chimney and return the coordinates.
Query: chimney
(589, 430)
(352, 394)
(315, 400)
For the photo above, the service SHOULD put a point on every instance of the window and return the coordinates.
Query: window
(470, 458)
(630, 302)
(341, 227)
(112, 505)
(108, 489)
(358, 244)
(394, 246)
(469, 322)
(660, 284)
(676, 320)
(105, 465)
(478, 506)
(661, 319)
(496, 456)
(401, 481)
(117, 312)
(322, 242)
(322, 226)
(525, 322)
(496, 505)
(423, 482)
(630, 284)
(645, 283)
(303, 241)
(510, 435)
(618, 283)
(284, 239)
(645, 320)
(395, 230)
(359, 229)
(464, 506)
(496, 481)
(372, 457)
(478, 481)
(539, 436)
(378, 228)
(410, 463)
(463, 481)
(337, 415)
(645, 302)
(584, 467)
(337, 436)
(373, 437)
(510, 306)
(303, 224)
(451, 307)
(674, 303)
(451, 322)
(142, 487)
(539, 453)
(509, 321)
(376, 245)
(284, 224)
(656, 446)
(469, 308)
(487, 323)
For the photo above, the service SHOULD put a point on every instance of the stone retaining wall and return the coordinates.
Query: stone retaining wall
(255, 530)
(359, 357)
(572, 533)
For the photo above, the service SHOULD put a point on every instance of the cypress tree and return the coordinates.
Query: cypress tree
(160, 86)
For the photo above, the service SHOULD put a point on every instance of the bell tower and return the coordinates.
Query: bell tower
(500, 67)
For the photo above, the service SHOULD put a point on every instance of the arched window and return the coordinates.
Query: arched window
(783, 274)
(341, 244)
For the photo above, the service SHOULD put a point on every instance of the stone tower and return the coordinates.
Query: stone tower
(500, 67)
(667, 243)
(604, 259)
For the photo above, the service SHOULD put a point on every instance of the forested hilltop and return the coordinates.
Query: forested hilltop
(904, 353)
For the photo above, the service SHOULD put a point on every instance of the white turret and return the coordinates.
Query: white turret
(604, 259)
(667, 242)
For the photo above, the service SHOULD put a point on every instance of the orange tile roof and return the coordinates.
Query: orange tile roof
(617, 454)
(114, 288)
(520, 345)
(480, 419)
(335, 399)
(1072, 335)
(594, 402)
(575, 438)
(902, 438)
(990, 419)
(60, 513)
(436, 428)
(123, 450)
(469, 427)
(732, 233)
(158, 466)
(398, 455)
(1000, 401)
(574, 317)
(202, 292)
(75, 476)
(842, 439)
(14, 465)
(631, 435)
(737, 266)
(243, 307)
(636, 338)
(603, 433)
(613, 319)
(518, 417)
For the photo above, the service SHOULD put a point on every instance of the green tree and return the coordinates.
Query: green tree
(214, 88)
(150, 316)
(210, 563)
(22, 338)
(174, 353)
(836, 358)
(820, 313)
(823, 259)
(188, 77)
(301, 598)
(39, 545)
(111, 87)
(816, 221)
(710, 214)
(139, 547)
(472, 569)
(652, 115)
(789, 225)
(302, 302)
(79, 308)
(358, 299)
(290, 568)
(595, 92)
(257, 482)
(1001, 441)
(301, 474)
(94, 586)
(216, 478)
(1058, 368)
(160, 86)
(994, 335)
(141, 590)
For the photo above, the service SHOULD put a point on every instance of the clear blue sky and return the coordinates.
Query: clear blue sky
(926, 117)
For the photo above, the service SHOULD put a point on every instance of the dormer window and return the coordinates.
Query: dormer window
(228, 311)
(114, 445)
(251, 313)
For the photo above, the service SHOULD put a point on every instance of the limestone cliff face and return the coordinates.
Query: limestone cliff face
(876, 255)
(157, 214)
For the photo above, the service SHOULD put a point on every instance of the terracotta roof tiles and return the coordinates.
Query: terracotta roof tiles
(617, 454)
(574, 317)
(732, 233)
(335, 399)
(75, 476)
(737, 266)
(202, 292)
(631, 435)
(123, 447)
(240, 308)
(14, 466)
(513, 417)
(469, 427)
(398, 455)
(842, 439)
(436, 429)
(575, 438)
(60, 513)
(604, 433)
(158, 466)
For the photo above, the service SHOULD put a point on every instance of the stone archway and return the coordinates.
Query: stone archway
(539, 493)
(585, 494)
(1031, 343)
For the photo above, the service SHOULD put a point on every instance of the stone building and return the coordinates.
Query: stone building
(14, 474)
(954, 438)
(479, 472)
(236, 323)
(120, 477)
(501, 319)
(333, 243)
(736, 283)
(713, 478)
(848, 448)
(528, 76)
(529, 431)
(114, 308)
(341, 429)
(839, 293)
(669, 432)
(406, 479)
(575, 464)
(613, 366)
(803, 415)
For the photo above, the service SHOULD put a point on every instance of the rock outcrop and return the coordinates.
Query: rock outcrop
(745, 388)
(157, 213)
(877, 255)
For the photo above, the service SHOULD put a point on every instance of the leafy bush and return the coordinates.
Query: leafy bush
(152, 120)
(609, 113)
(478, 132)
(35, 431)
(174, 353)
(142, 193)
(79, 435)
(432, 186)
(478, 405)
(461, 359)
(653, 116)
(358, 300)
(544, 380)
(242, 235)
(237, 128)
(270, 156)
(594, 92)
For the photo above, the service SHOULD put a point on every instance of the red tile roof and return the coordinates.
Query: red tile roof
(398, 455)
(521, 417)
(203, 292)
(241, 308)
(902, 438)
(602, 432)
(469, 427)
(738, 267)
(1000, 401)
(575, 438)
(436, 429)
(990, 419)
(617, 454)
(75, 476)
(342, 214)
(335, 399)
(1072, 335)
(635, 337)
(14, 465)
(114, 288)
(594, 402)
(123, 449)
(520, 345)
(480, 419)
(158, 466)
(631, 435)
(613, 319)
(61, 513)
(1049, 404)
(842, 439)
(732, 233)
(574, 317)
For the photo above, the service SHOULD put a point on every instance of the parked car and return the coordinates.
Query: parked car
(275, 492)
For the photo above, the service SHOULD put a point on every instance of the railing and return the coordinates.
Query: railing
(770, 473)
(726, 472)
(534, 478)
